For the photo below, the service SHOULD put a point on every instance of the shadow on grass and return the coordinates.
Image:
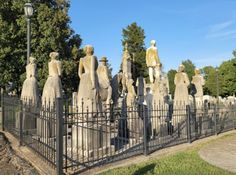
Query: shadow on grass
(145, 169)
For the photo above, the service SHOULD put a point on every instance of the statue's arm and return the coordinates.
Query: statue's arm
(59, 68)
(175, 79)
(93, 71)
(33, 71)
(157, 57)
(80, 69)
(186, 79)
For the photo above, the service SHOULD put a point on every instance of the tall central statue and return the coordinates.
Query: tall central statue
(88, 87)
(152, 60)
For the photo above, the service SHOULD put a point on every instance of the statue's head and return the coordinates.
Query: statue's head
(103, 60)
(181, 68)
(197, 71)
(89, 50)
(32, 60)
(153, 43)
(54, 55)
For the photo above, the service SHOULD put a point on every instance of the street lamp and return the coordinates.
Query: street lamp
(28, 13)
(217, 85)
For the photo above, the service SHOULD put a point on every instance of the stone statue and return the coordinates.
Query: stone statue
(89, 87)
(131, 95)
(105, 89)
(126, 68)
(29, 97)
(198, 81)
(152, 60)
(53, 87)
(160, 87)
(52, 90)
(29, 91)
(141, 85)
(181, 87)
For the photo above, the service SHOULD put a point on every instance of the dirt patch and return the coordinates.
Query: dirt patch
(10, 163)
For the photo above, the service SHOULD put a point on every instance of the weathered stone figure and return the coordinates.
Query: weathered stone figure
(52, 90)
(141, 86)
(29, 91)
(88, 87)
(131, 95)
(105, 89)
(198, 81)
(152, 60)
(126, 68)
(53, 87)
(29, 96)
(181, 87)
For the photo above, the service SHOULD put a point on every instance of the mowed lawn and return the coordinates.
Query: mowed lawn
(186, 162)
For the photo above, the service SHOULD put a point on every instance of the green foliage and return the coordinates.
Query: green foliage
(171, 76)
(227, 78)
(134, 36)
(189, 68)
(50, 31)
(210, 76)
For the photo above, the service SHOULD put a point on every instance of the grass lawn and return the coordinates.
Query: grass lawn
(186, 162)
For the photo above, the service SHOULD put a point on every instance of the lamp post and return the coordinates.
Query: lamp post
(28, 13)
(217, 85)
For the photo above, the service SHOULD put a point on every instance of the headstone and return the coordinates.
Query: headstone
(140, 84)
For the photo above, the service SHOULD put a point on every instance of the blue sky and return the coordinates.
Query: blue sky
(203, 31)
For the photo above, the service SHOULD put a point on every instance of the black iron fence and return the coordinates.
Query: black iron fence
(73, 139)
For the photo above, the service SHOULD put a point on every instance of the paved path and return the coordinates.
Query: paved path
(221, 153)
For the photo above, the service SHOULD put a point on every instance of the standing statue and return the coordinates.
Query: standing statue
(105, 89)
(29, 91)
(152, 60)
(131, 95)
(141, 85)
(181, 87)
(88, 93)
(53, 87)
(198, 81)
(52, 90)
(29, 96)
(126, 68)
(160, 87)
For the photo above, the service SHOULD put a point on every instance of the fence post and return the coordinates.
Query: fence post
(145, 129)
(215, 119)
(59, 136)
(2, 106)
(188, 112)
(21, 123)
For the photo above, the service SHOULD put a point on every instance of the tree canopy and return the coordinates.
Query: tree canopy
(134, 36)
(50, 32)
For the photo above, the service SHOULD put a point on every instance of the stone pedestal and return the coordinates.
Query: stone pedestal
(91, 138)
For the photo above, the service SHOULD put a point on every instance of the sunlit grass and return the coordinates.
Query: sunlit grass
(186, 162)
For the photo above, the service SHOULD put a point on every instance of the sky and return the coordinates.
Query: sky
(203, 31)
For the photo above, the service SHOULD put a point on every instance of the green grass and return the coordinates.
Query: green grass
(186, 162)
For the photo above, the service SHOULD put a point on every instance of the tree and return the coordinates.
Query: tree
(210, 87)
(227, 78)
(50, 32)
(171, 76)
(134, 36)
(189, 68)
